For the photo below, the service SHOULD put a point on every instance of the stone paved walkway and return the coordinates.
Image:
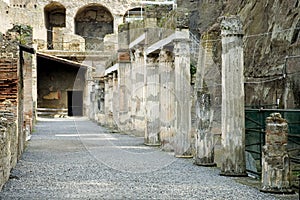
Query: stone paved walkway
(77, 159)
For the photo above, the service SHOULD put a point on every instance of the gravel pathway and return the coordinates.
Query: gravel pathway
(77, 159)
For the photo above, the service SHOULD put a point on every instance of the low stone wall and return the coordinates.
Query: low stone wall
(8, 145)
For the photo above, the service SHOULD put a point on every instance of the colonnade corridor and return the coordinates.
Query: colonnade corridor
(74, 158)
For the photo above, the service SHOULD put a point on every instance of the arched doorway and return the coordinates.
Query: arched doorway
(55, 16)
(93, 22)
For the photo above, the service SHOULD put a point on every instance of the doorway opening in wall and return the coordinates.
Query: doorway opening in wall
(75, 103)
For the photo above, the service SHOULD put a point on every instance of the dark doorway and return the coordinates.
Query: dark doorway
(55, 16)
(75, 102)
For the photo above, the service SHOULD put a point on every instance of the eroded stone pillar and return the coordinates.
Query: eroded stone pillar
(152, 101)
(115, 98)
(204, 98)
(167, 100)
(204, 137)
(109, 97)
(275, 159)
(137, 104)
(233, 114)
(123, 120)
(182, 146)
(106, 100)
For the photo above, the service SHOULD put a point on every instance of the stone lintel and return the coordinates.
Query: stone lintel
(275, 118)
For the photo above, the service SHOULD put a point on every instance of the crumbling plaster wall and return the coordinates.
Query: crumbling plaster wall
(32, 13)
(4, 17)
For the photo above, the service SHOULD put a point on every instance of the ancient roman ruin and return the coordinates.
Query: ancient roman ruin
(178, 73)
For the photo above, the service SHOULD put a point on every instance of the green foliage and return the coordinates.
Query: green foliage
(24, 33)
(193, 69)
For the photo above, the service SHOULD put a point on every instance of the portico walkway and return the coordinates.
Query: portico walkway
(77, 159)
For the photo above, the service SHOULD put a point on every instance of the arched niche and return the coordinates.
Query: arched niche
(55, 16)
(93, 22)
(134, 14)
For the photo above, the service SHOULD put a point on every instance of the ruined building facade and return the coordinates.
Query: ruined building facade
(149, 68)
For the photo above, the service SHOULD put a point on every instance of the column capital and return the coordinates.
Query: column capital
(231, 26)
(181, 46)
(166, 56)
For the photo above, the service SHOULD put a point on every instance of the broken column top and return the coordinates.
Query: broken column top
(275, 118)
(231, 25)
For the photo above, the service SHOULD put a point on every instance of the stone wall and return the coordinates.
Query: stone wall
(32, 13)
(8, 144)
(12, 137)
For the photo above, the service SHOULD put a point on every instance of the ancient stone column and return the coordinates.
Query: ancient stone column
(106, 100)
(123, 120)
(182, 146)
(110, 101)
(115, 98)
(204, 138)
(152, 120)
(167, 100)
(233, 114)
(275, 159)
(137, 78)
(204, 110)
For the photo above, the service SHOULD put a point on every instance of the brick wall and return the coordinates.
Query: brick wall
(12, 123)
(8, 116)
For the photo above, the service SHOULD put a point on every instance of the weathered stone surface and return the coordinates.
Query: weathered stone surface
(8, 145)
(152, 108)
(233, 116)
(183, 138)
(207, 100)
(266, 44)
(167, 100)
(204, 139)
(275, 159)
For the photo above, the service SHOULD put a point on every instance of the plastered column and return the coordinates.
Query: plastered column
(167, 100)
(204, 137)
(137, 105)
(152, 126)
(182, 146)
(123, 120)
(109, 113)
(233, 114)
(115, 99)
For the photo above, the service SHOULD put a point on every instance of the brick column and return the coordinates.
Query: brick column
(275, 159)
(233, 114)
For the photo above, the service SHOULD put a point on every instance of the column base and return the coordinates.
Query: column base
(184, 156)
(232, 174)
(152, 145)
(205, 164)
(277, 191)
